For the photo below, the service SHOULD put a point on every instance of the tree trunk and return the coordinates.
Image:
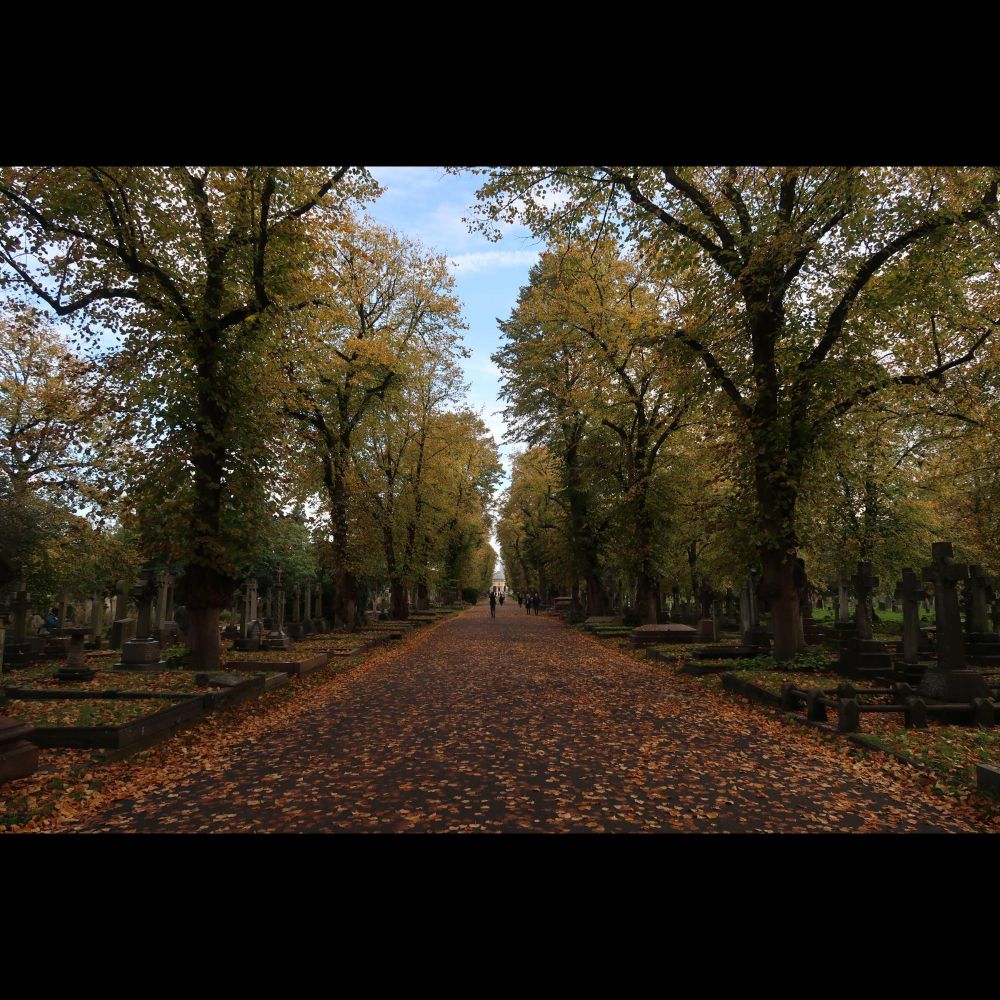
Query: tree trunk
(399, 605)
(598, 601)
(203, 638)
(646, 581)
(584, 541)
(423, 601)
(778, 586)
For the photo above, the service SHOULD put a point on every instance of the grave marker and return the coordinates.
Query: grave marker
(949, 679)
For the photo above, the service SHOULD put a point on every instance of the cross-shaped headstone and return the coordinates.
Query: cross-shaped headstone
(864, 584)
(945, 573)
(979, 589)
(143, 596)
(911, 592)
(296, 603)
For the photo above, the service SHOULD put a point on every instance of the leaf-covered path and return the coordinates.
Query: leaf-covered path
(522, 724)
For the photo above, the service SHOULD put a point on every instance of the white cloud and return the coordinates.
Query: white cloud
(488, 260)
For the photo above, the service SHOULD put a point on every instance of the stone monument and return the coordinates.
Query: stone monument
(949, 679)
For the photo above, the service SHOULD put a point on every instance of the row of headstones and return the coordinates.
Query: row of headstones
(948, 677)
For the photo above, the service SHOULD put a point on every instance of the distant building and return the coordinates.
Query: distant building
(499, 583)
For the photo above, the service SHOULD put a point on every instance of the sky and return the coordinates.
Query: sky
(428, 204)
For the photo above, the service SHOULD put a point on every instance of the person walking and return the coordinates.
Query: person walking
(527, 602)
(518, 600)
(493, 604)
(535, 602)
(501, 598)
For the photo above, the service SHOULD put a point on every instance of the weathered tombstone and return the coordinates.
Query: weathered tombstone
(96, 619)
(277, 638)
(716, 621)
(142, 652)
(168, 631)
(75, 667)
(18, 756)
(121, 631)
(862, 655)
(984, 646)
(949, 679)
(18, 648)
(843, 604)
(294, 629)
(318, 606)
(250, 639)
(911, 592)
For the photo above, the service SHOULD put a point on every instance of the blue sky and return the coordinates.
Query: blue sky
(428, 204)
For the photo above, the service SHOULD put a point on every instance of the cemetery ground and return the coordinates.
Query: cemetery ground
(515, 724)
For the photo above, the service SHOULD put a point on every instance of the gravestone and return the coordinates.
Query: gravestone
(983, 645)
(294, 629)
(862, 655)
(142, 652)
(843, 605)
(648, 635)
(18, 756)
(121, 631)
(75, 667)
(911, 592)
(949, 679)
(277, 639)
(96, 619)
(250, 639)
(18, 648)
(318, 606)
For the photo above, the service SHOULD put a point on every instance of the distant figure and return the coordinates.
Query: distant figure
(527, 603)
(519, 601)
(501, 598)
(52, 619)
(493, 604)
(536, 602)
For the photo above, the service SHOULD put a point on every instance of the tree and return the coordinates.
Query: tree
(585, 339)
(799, 292)
(190, 266)
(388, 304)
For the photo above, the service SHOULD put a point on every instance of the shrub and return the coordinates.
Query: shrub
(470, 595)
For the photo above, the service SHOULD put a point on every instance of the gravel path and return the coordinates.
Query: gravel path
(522, 724)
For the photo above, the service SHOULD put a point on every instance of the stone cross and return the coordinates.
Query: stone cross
(280, 611)
(249, 606)
(864, 584)
(979, 587)
(21, 607)
(63, 601)
(843, 612)
(911, 592)
(143, 595)
(296, 603)
(308, 600)
(945, 574)
(318, 609)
